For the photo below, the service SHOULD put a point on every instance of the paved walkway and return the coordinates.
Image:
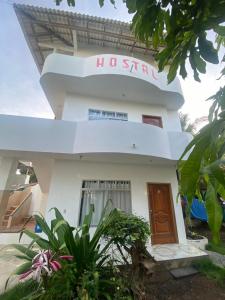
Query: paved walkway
(8, 263)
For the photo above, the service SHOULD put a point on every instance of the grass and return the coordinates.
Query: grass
(216, 248)
(19, 291)
(206, 267)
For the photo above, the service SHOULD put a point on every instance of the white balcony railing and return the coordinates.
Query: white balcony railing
(75, 138)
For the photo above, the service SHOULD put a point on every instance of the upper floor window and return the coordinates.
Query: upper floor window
(96, 114)
(152, 120)
(98, 192)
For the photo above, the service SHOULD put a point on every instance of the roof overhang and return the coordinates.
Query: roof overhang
(46, 29)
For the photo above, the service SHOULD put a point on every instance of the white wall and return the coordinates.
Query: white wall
(173, 121)
(90, 50)
(53, 137)
(39, 201)
(8, 167)
(65, 189)
(76, 109)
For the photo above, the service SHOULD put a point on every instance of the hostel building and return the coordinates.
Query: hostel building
(116, 133)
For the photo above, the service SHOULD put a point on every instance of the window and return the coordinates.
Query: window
(96, 114)
(152, 120)
(98, 192)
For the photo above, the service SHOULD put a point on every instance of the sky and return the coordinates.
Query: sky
(20, 91)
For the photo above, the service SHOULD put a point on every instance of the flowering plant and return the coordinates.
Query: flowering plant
(43, 264)
(70, 263)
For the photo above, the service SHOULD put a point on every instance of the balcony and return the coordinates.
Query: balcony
(22, 135)
(108, 76)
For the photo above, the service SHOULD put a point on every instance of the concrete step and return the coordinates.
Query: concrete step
(183, 272)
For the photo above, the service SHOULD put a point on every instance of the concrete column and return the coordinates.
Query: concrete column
(8, 167)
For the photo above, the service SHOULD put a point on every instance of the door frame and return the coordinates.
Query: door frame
(172, 208)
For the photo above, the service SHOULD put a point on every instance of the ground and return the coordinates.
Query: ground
(196, 287)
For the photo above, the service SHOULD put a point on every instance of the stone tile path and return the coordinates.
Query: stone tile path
(167, 252)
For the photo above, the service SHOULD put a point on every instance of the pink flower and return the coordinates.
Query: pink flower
(44, 264)
(25, 275)
(55, 265)
(66, 257)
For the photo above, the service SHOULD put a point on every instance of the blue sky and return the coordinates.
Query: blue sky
(20, 91)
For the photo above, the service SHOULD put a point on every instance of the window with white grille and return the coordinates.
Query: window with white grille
(96, 114)
(99, 192)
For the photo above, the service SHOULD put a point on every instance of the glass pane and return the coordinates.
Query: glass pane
(99, 192)
(94, 114)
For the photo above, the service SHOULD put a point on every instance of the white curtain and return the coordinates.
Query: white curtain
(98, 193)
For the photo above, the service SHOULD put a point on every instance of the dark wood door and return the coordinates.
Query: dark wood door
(161, 212)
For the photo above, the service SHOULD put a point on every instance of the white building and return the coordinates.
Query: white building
(116, 134)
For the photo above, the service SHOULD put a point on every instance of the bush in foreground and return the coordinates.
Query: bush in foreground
(69, 263)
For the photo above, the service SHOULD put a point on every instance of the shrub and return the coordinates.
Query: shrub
(69, 263)
(128, 232)
(216, 248)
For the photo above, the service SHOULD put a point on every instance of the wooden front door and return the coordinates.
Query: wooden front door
(161, 213)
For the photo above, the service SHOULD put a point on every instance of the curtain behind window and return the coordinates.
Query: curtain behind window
(99, 192)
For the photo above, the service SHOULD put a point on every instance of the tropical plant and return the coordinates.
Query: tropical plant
(129, 234)
(205, 164)
(70, 262)
(186, 125)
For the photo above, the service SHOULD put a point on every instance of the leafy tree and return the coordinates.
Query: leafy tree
(180, 31)
(185, 123)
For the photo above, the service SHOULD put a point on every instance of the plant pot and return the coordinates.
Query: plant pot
(198, 243)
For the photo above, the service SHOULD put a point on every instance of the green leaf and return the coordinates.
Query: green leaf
(217, 170)
(23, 268)
(163, 58)
(23, 257)
(28, 252)
(206, 49)
(214, 213)
(199, 62)
(131, 5)
(193, 64)
(220, 30)
(173, 69)
(71, 2)
(183, 71)
(45, 228)
(44, 244)
(101, 2)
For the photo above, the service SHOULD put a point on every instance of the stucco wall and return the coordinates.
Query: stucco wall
(39, 201)
(65, 189)
(76, 109)
(85, 50)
